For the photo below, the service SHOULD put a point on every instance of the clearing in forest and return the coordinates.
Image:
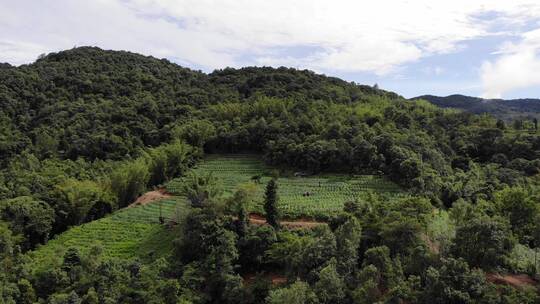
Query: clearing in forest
(314, 196)
(137, 232)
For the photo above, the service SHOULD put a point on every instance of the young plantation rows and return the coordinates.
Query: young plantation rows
(309, 196)
(133, 232)
(170, 209)
(137, 232)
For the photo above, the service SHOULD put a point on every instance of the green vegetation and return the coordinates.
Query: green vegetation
(29, 217)
(316, 196)
(271, 200)
(134, 232)
(69, 193)
(415, 204)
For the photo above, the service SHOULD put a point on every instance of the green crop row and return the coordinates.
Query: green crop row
(133, 232)
(311, 196)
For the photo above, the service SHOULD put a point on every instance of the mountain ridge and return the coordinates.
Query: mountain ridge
(501, 108)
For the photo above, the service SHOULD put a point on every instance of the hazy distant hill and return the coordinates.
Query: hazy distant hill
(501, 108)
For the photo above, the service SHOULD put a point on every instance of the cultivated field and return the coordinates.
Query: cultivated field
(133, 232)
(136, 232)
(327, 193)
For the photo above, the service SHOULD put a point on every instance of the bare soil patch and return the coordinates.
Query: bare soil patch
(275, 278)
(150, 197)
(515, 280)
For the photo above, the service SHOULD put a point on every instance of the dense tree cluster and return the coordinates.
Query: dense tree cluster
(97, 104)
(354, 259)
(91, 103)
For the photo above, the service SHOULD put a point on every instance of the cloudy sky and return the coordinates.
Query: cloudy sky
(488, 48)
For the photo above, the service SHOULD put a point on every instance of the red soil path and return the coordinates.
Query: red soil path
(514, 280)
(276, 279)
(150, 197)
(256, 219)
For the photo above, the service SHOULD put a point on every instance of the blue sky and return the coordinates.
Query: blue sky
(488, 48)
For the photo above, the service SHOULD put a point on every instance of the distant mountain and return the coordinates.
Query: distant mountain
(501, 108)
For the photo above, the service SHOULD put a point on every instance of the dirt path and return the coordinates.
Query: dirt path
(258, 219)
(275, 278)
(150, 197)
(515, 280)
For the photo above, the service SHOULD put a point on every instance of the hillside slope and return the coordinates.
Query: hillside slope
(133, 232)
(91, 103)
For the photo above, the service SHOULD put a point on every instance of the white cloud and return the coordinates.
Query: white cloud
(518, 66)
(341, 35)
(19, 51)
(433, 70)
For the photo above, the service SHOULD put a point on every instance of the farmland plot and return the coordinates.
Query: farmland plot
(308, 196)
(133, 232)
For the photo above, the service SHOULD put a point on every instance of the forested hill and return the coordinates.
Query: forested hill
(505, 109)
(104, 104)
(85, 132)
(93, 104)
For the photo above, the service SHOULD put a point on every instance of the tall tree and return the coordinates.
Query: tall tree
(484, 242)
(454, 282)
(297, 293)
(28, 217)
(241, 198)
(348, 242)
(82, 201)
(520, 208)
(330, 288)
(500, 124)
(129, 180)
(271, 204)
(401, 235)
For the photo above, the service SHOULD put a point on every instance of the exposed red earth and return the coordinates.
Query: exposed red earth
(275, 278)
(514, 280)
(150, 197)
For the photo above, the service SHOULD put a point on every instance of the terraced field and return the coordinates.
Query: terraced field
(136, 232)
(133, 232)
(327, 193)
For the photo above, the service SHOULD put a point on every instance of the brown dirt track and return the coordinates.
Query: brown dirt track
(514, 280)
(150, 197)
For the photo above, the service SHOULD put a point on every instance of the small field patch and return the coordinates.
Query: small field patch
(135, 232)
(300, 196)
